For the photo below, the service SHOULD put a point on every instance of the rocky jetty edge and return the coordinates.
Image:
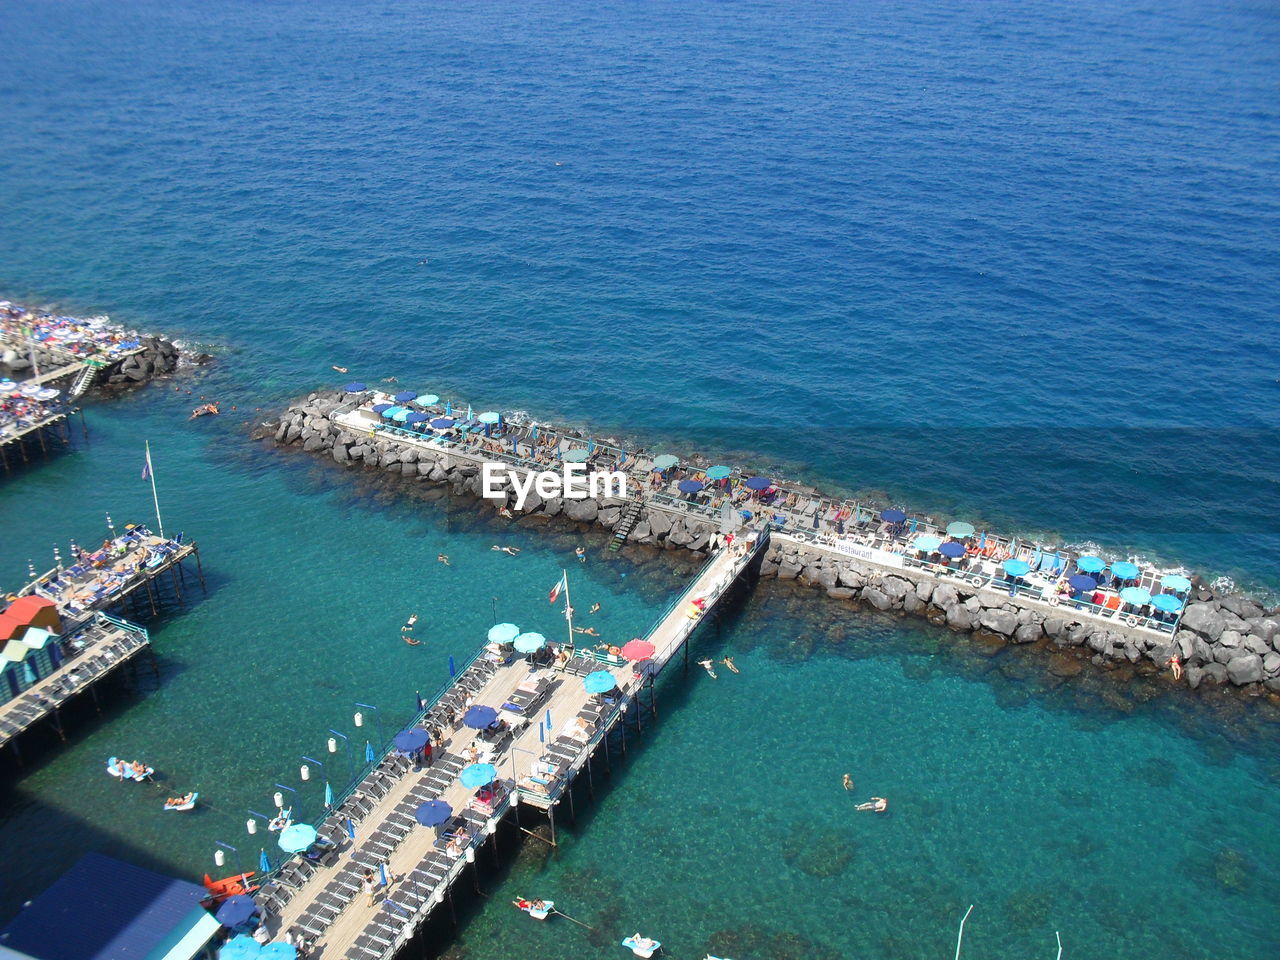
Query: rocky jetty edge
(1222, 639)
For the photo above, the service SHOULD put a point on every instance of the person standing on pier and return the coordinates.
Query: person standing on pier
(370, 885)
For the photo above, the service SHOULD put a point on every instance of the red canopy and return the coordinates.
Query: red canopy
(33, 611)
(637, 650)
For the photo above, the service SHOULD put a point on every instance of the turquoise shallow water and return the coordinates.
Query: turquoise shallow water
(1010, 261)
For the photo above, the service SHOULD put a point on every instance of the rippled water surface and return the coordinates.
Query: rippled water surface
(1011, 262)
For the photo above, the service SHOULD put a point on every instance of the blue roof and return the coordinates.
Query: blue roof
(106, 909)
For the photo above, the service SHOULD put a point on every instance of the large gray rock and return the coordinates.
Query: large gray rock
(553, 506)
(1271, 664)
(608, 517)
(313, 444)
(340, 453)
(1077, 633)
(1003, 622)
(1204, 619)
(787, 570)
(659, 523)
(896, 587)
(1230, 639)
(1027, 633)
(1245, 669)
(944, 595)
(835, 593)
(582, 510)
(1256, 645)
(913, 604)
(959, 617)
(924, 590)
(1241, 606)
(876, 598)
(1215, 673)
(1268, 628)
(1053, 626)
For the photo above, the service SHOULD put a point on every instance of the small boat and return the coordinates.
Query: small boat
(548, 907)
(118, 768)
(189, 805)
(642, 946)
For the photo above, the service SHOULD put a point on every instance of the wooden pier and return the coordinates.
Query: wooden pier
(92, 652)
(322, 900)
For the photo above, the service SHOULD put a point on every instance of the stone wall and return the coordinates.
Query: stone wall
(1223, 639)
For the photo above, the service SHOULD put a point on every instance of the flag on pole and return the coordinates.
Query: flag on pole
(555, 591)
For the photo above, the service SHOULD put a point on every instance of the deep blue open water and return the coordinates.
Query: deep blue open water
(1012, 262)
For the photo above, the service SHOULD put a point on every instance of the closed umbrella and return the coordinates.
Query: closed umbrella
(892, 515)
(926, 542)
(1124, 570)
(264, 862)
(959, 529)
(1167, 602)
(433, 813)
(297, 837)
(718, 473)
(952, 549)
(476, 775)
(1135, 595)
(1176, 582)
(637, 649)
(601, 681)
(529, 642)
(757, 483)
(328, 794)
(1016, 568)
(1082, 582)
(479, 717)
(369, 755)
(1090, 564)
(411, 740)
(689, 486)
(503, 632)
(665, 462)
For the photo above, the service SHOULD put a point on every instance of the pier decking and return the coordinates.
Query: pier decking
(93, 651)
(536, 763)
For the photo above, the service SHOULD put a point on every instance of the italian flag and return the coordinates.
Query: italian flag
(555, 591)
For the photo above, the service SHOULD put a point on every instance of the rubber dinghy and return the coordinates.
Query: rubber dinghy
(121, 770)
(642, 946)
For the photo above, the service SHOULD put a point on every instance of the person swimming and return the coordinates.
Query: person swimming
(443, 558)
(848, 782)
(339, 369)
(728, 662)
(875, 805)
(511, 551)
(581, 554)
(408, 624)
(708, 666)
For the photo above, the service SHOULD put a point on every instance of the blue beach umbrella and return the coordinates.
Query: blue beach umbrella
(892, 515)
(503, 632)
(952, 549)
(925, 542)
(243, 947)
(236, 910)
(757, 483)
(490, 417)
(529, 642)
(402, 415)
(959, 529)
(665, 462)
(411, 740)
(1135, 595)
(576, 455)
(416, 416)
(297, 837)
(479, 717)
(369, 755)
(429, 399)
(1082, 582)
(264, 862)
(442, 423)
(718, 473)
(1167, 603)
(1016, 568)
(353, 388)
(599, 682)
(1124, 570)
(278, 951)
(433, 813)
(477, 775)
(404, 396)
(1176, 582)
(690, 486)
(382, 407)
(1090, 564)
(390, 412)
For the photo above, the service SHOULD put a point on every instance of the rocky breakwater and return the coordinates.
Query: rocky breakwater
(1222, 639)
(157, 358)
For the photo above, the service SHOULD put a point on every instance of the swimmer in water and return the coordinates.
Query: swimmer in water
(390, 380)
(848, 782)
(728, 662)
(408, 638)
(708, 666)
(443, 558)
(595, 608)
(512, 551)
(875, 805)
(581, 554)
(589, 631)
(409, 624)
(339, 369)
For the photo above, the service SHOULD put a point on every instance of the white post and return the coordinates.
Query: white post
(1059, 936)
(960, 937)
(568, 608)
(151, 472)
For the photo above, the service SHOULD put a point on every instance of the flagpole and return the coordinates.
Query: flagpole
(568, 608)
(154, 496)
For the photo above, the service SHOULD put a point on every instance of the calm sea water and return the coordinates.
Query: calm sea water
(1012, 262)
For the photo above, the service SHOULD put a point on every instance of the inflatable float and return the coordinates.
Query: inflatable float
(642, 946)
(548, 907)
(118, 768)
(190, 804)
(229, 886)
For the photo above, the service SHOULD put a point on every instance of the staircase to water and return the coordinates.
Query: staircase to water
(626, 523)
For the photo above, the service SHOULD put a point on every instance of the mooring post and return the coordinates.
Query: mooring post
(200, 569)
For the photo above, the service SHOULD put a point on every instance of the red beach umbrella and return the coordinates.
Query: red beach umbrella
(637, 650)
